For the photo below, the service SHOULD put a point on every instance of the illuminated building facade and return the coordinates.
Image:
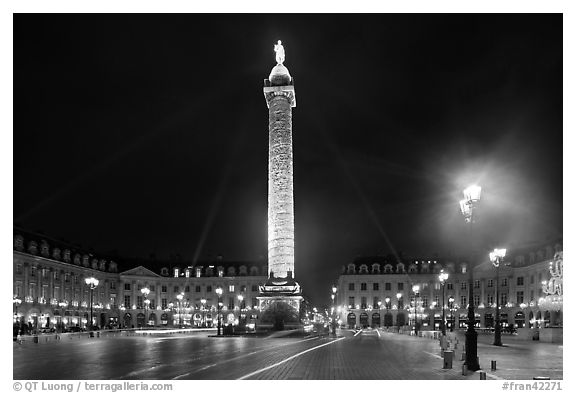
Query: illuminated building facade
(50, 291)
(377, 291)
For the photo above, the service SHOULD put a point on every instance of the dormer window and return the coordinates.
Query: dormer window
(209, 271)
(388, 268)
(412, 269)
(375, 268)
(254, 271)
(363, 269)
(231, 271)
(176, 272)
(351, 269)
(400, 268)
(464, 269)
(220, 271)
(198, 271)
(187, 273)
(243, 270)
(164, 271)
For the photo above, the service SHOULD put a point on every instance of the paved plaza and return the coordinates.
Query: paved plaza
(367, 354)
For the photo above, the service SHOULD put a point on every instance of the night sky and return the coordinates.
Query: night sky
(149, 133)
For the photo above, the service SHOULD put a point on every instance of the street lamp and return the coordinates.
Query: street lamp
(203, 301)
(333, 296)
(240, 299)
(145, 291)
(451, 305)
(219, 293)
(496, 257)
(443, 276)
(92, 284)
(468, 207)
(180, 296)
(415, 289)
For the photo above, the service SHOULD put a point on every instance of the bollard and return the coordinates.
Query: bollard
(35, 339)
(464, 370)
(448, 356)
(541, 378)
(482, 375)
(91, 334)
(493, 365)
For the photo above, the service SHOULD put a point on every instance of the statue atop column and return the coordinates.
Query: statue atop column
(280, 55)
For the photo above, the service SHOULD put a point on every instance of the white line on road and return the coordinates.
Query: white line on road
(241, 356)
(290, 358)
(357, 333)
(378, 331)
(433, 354)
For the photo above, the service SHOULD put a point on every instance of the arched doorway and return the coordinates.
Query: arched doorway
(488, 320)
(376, 319)
(152, 320)
(164, 319)
(140, 320)
(351, 320)
(546, 319)
(520, 319)
(531, 320)
(388, 320)
(364, 320)
(197, 318)
(128, 320)
(401, 319)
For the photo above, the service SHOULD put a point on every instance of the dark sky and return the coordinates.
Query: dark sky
(148, 133)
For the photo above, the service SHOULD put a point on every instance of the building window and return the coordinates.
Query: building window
(476, 300)
(187, 288)
(519, 281)
(437, 286)
(375, 286)
(351, 286)
(254, 302)
(127, 301)
(176, 272)
(463, 302)
(463, 269)
(476, 283)
(187, 273)
(126, 286)
(112, 284)
(463, 285)
(490, 299)
(503, 298)
(33, 271)
(437, 301)
(231, 288)
(504, 282)
(208, 288)
(152, 304)
(197, 289)
(425, 301)
(139, 301)
(19, 269)
(531, 279)
(152, 288)
(449, 286)
(363, 286)
(520, 297)
(375, 302)
(230, 303)
(198, 272)
(531, 295)
(351, 302)
(388, 286)
(176, 289)
(363, 302)
(490, 283)
(56, 273)
(400, 286)
(164, 289)
(400, 303)
(164, 303)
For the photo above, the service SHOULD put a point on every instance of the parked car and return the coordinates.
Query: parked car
(74, 329)
(47, 330)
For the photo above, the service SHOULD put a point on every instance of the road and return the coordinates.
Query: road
(369, 354)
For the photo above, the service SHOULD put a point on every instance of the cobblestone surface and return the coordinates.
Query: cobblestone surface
(368, 355)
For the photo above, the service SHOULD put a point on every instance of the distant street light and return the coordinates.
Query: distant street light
(180, 296)
(496, 257)
(333, 296)
(451, 305)
(92, 284)
(146, 291)
(443, 277)
(468, 207)
(203, 301)
(415, 289)
(219, 293)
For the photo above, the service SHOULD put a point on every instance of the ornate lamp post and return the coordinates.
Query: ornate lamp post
(92, 284)
(415, 289)
(443, 276)
(451, 305)
(180, 296)
(468, 207)
(16, 302)
(333, 296)
(203, 301)
(496, 257)
(219, 293)
(145, 291)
